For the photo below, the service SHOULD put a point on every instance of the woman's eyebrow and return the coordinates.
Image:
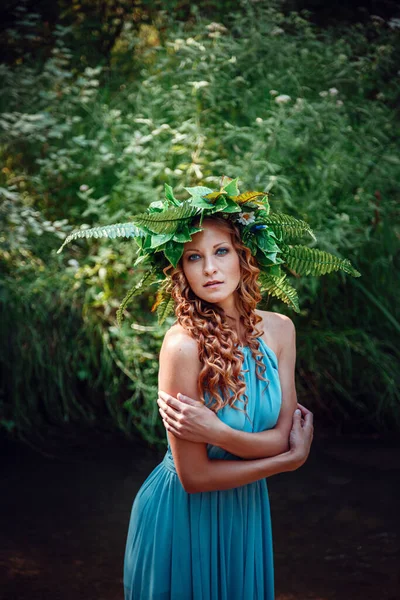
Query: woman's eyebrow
(215, 245)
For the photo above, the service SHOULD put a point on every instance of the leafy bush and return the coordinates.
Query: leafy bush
(306, 114)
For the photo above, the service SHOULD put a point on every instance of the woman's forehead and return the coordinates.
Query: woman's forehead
(211, 231)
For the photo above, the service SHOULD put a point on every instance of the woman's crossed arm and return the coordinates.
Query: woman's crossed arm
(179, 370)
(188, 419)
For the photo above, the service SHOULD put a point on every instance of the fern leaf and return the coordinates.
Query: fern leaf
(146, 280)
(311, 261)
(109, 231)
(164, 304)
(168, 220)
(280, 288)
(287, 227)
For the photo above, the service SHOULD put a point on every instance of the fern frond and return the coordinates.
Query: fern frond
(311, 261)
(149, 278)
(168, 220)
(287, 227)
(164, 304)
(280, 288)
(109, 231)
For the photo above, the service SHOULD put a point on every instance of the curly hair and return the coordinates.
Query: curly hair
(220, 353)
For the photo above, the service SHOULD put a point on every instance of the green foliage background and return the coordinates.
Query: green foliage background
(90, 130)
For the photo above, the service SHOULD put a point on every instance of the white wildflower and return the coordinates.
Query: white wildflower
(197, 85)
(282, 99)
(212, 27)
(277, 31)
(259, 120)
(83, 187)
(299, 104)
(73, 263)
(380, 96)
(333, 91)
(394, 23)
(323, 94)
(339, 102)
(245, 218)
(273, 92)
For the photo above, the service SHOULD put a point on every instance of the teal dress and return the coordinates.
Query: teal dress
(209, 545)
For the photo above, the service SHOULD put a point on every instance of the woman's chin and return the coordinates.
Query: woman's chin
(215, 296)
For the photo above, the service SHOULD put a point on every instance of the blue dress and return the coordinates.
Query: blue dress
(209, 545)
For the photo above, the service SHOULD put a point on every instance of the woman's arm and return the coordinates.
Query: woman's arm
(193, 421)
(179, 370)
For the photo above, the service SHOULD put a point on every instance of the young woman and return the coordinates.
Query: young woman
(200, 525)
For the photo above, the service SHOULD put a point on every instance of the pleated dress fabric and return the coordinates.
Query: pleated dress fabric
(208, 545)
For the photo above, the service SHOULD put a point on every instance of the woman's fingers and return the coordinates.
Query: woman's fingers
(303, 409)
(309, 421)
(179, 402)
(170, 401)
(168, 415)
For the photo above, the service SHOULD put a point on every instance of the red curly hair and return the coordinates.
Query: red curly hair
(219, 350)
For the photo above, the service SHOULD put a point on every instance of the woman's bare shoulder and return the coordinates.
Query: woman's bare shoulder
(277, 328)
(178, 340)
(179, 363)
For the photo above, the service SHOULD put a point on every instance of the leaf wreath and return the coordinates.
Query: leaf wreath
(161, 232)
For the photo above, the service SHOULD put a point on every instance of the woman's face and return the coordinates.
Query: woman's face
(211, 257)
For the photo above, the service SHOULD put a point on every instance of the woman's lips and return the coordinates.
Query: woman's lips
(213, 285)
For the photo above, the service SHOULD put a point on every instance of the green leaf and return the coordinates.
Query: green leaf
(200, 202)
(183, 234)
(275, 270)
(169, 195)
(220, 204)
(108, 231)
(148, 279)
(231, 206)
(164, 304)
(165, 308)
(257, 198)
(311, 261)
(173, 252)
(231, 188)
(269, 259)
(168, 220)
(157, 206)
(280, 288)
(199, 190)
(160, 239)
(265, 242)
(286, 227)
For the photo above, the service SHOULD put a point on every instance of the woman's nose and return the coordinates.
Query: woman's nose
(209, 266)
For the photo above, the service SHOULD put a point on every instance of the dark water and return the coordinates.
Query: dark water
(64, 520)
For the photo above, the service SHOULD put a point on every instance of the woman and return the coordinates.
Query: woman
(200, 524)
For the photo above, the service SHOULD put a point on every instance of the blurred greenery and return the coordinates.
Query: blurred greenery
(107, 102)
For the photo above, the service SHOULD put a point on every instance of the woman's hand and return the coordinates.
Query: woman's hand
(189, 419)
(301, 435)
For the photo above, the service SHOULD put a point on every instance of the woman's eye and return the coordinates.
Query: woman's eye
(219, 251)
